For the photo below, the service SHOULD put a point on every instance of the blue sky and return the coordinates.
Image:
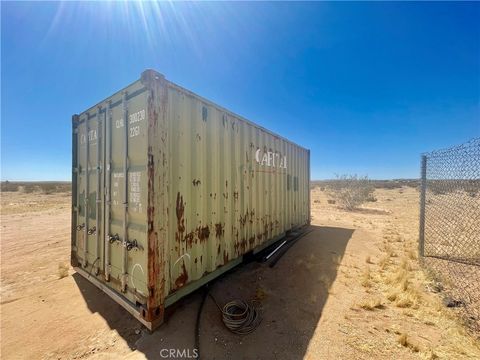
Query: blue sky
(366, 86)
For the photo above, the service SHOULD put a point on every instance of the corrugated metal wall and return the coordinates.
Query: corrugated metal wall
(232, 186)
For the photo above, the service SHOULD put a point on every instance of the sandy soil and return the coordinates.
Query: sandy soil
(352, 288)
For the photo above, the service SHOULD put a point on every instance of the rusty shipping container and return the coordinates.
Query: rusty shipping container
(171, 190)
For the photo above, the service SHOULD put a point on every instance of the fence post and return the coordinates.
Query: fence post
(423, 188)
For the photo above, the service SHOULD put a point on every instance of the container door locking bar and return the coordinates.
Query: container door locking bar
(125, 192)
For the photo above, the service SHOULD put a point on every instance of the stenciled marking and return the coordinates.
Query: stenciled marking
(115, 188)
(271, 159)
(134, 198)
(132, 119)
(92, 136)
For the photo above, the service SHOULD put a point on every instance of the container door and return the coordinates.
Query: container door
(109, 208)
(125, 245)
(89, 195)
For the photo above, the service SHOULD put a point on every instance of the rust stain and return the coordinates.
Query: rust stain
(180, 210)
(225, 257)
(203, 233)
(251, 241)
(182, 278)
(153, 249)
(189, 238)
(243, 245)
(235, 195)
(196, 182)
(155, 256)
(218, 249)
(219, 231)
(243, 219)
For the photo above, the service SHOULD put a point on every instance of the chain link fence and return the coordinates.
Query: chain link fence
(449, 243)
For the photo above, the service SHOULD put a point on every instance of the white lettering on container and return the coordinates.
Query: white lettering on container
(271, 159)
(134, 198)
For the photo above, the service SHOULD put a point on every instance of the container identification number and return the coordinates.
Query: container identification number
(132, 119)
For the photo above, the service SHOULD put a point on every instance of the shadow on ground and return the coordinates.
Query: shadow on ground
(292, 295)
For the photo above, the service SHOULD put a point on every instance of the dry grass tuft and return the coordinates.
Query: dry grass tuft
(392, 295)
(371, 304)
(405, 264)
(405, 300)
(404, 341)
(383, 262)
(411, 297)
(412, 254)
(63, 270)
(398, 278)
(366, 278)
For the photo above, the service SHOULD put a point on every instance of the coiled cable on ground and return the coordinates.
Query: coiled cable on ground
(240, 317)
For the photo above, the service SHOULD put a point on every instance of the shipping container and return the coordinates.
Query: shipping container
(171, 190)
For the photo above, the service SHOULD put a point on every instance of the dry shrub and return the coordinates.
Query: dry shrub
(63, 270)
(351, 191)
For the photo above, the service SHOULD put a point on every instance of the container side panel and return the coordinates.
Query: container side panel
(233, 187)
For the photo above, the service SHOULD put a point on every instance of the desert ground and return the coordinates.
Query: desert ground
(350, 289)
